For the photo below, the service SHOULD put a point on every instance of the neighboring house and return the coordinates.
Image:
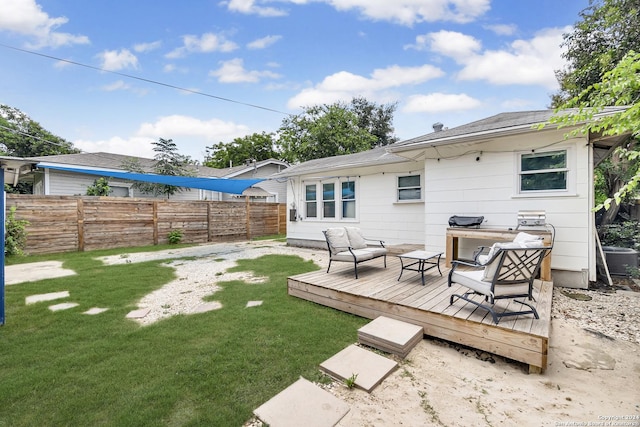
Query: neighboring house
(49, 181)
(495, 167)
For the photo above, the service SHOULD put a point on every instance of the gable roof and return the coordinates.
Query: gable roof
(373, 157)
(499, 124)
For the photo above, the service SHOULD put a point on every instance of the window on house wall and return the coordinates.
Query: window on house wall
(311, 201)
(546, 171)
(329, 200)
(348, 196)
(409, 188)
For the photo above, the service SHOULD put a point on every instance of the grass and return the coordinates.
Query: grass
(215, 368)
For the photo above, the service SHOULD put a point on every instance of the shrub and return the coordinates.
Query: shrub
(15, 237)
(625, 235)
(174, 236)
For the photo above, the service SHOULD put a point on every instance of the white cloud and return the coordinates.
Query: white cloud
(250, 7)
(114, 60)
(410, 12)
(263, 42)
(404, 12)
(117, 85)
(26, 17)
(233, 71)
(177, 127)
(450, 43)
(527, 62)
(147, 47)
(440, 102)
(206, 43)
(343, 86)
(502, 29)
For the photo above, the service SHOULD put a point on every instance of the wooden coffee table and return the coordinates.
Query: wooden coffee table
(420, 261)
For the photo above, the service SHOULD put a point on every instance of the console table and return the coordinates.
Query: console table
(496, 235)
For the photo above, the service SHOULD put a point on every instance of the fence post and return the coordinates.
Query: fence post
(155, 222)
(248, 209)
(80, 210)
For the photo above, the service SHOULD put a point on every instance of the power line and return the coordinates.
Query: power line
(143, 79)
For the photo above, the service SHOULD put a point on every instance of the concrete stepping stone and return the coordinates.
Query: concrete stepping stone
(368, 368)
(302, 404)
(391, 335)
(35, 271)
(138, 314)
(63, 306)
(95, 310)
(207, 306)
(253, 304)
(32, 299)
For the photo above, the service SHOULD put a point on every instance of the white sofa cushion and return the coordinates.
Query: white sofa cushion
(360, 254)
(355, 238)
(338, 239)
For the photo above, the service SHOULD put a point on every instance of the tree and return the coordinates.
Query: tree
(22, 137)
(322, 131)
(619, 87)
(100, 187)
(608, 30)
(376, 119)
(258, 146)
(167, 162)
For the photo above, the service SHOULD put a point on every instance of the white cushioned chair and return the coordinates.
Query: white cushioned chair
(347, 244)
(508, 272)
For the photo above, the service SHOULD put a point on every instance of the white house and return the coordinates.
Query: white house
(47, 180)
(494, 167)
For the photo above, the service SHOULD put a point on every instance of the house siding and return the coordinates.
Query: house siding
(378, 214)
(486, 184)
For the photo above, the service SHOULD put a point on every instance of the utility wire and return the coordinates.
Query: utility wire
(143, 79)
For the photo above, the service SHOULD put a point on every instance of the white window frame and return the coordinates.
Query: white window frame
(306, 202)
(398, 188)
(337, 201)
(569, 169)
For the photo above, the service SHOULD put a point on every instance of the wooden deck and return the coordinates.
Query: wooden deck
(378, 292)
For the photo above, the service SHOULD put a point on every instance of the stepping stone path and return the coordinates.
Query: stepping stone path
(95, 310)
(253, 304)
(138, 314)
(305, 404)
(32, 299)
(63, 306)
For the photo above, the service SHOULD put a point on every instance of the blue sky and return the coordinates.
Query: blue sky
(448, 61)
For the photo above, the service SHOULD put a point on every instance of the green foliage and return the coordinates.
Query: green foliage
(22, 137)
(257, 146)
(15, 236)
(174, 236)
(167, 162)
(322, 131)
(619, 87)
(624, 235)
(606, 32)
(100, 187)
(351, 381)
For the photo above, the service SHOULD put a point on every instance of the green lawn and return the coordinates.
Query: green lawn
(210, 369)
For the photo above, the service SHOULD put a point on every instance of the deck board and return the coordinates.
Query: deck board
(378, 292)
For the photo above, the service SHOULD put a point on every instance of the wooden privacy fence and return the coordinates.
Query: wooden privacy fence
(82, 223)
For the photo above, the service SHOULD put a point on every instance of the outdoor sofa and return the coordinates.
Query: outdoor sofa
(347, 244)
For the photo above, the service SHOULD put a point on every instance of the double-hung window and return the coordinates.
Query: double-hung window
(311, 201)
(348, 197)
(331, 200)
(544, 172)
(409, 188)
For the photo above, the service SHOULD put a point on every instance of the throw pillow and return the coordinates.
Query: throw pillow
(338, 239)
(355, 238)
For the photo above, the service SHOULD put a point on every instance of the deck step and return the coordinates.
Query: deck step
(390, 335)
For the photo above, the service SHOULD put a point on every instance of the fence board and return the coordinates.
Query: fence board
(79, 223)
